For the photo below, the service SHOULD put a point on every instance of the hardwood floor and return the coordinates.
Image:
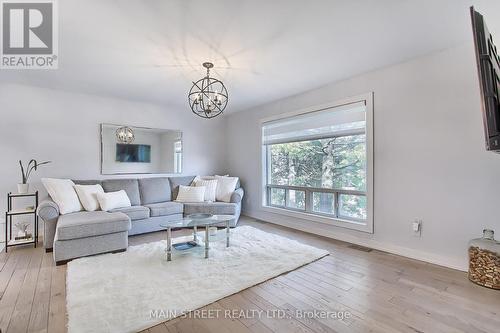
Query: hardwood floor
(380, 292)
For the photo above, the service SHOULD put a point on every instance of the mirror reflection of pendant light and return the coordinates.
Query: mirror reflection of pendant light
(208, 96)
(125, 134)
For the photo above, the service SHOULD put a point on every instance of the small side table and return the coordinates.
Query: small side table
(10, 213)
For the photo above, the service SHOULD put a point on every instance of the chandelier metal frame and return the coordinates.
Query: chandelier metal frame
(208, 96)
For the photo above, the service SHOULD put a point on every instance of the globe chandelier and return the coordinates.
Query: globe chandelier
(125, 135)
(208, 96)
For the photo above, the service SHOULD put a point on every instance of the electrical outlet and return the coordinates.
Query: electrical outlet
(416, 228)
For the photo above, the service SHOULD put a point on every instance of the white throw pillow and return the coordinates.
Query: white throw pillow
(210, 188)
(191, 193)
(225, 187)
(63, 194)
(112, 200)
(88, 196)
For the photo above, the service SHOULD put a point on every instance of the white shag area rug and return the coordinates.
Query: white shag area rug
(118, 292)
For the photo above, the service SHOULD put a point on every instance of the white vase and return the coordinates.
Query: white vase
(23, 188)
(212, 231)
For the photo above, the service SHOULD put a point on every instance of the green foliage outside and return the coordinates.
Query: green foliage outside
(334, 163)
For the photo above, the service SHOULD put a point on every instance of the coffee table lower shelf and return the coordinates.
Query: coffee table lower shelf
(204, 237)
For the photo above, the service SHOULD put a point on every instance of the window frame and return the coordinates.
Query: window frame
(178, 156)
(308, 213)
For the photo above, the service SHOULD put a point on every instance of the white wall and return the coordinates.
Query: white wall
(430, 160)
(64, 127)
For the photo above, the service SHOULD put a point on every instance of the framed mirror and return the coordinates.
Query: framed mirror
(130, 149)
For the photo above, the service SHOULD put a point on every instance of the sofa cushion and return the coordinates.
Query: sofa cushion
(216, 208)
(210, 187)
(88, 224)
(63, 194)
(111, 200)
(191, 193)
(88, 196)
(225, 187)
(154, 190)
(131, 186)
(134, 212)
(238, 184)
(176, 181)
(165, 208)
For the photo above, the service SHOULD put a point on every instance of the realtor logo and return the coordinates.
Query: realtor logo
(29, 34)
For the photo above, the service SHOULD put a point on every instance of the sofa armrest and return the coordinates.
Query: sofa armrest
(48, 211)
(237, 195)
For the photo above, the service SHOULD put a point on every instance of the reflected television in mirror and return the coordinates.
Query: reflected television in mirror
(151, 151)
(133, 153)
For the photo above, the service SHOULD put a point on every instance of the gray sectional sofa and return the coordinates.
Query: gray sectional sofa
(86, 233)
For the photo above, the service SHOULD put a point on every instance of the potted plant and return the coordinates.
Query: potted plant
(23, 187)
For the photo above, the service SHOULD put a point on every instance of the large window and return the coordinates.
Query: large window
(319, 163)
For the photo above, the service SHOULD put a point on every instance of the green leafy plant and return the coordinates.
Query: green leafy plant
(32, 165)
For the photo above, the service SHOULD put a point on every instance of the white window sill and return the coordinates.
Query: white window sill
(333, 221)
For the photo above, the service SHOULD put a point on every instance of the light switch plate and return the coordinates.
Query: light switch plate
(416, 226)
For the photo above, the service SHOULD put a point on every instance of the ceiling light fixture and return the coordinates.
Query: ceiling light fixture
(125, 134)
(208, 96)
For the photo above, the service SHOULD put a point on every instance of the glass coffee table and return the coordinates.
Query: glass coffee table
(194, 221)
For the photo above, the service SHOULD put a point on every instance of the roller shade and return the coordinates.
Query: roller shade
(342, 120)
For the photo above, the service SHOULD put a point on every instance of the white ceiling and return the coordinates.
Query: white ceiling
(263, 50)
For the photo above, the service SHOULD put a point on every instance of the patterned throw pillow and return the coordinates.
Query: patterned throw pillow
(210, 188)
(191, 193)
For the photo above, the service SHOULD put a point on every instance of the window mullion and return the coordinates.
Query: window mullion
(308, 199)
(336, 204)
(268, 196)
(268, 165)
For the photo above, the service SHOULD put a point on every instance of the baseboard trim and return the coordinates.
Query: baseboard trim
(453, 263)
